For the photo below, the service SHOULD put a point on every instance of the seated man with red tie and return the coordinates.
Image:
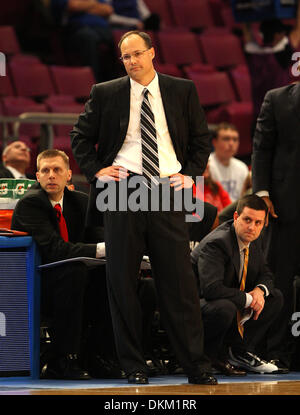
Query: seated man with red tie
(55, 218)
(239, 303)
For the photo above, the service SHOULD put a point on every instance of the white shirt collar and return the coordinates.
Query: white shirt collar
(60, 202)
(15, 173)
(138, 89)
(241, 244)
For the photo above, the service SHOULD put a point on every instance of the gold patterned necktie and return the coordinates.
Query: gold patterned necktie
(242, 288)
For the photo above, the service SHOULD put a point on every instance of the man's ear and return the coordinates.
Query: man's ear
(235, 215)
(37, 176)
(69, 175)
(153, 52)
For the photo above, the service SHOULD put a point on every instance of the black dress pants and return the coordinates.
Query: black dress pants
(62, 302)
(220, 327)
(164, 236)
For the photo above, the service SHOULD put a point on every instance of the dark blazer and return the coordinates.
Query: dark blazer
(218, 260)
(5, 173)
(105, 122)
(276, 151)
(34, 214)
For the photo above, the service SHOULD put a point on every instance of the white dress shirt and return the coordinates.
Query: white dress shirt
(130, 155)
(15, 173)
(242, 246)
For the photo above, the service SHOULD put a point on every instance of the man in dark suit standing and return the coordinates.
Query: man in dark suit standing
(16, 160)
(55, 217)
(236, 284)
(276, 177)
(122, 117)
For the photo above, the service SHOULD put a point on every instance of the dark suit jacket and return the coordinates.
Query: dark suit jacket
(5, 173)
(276, 151)
(34, 214)
(218, 261)
(105, 122)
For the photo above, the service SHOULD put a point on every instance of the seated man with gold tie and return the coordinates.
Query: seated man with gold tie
(238, 300)
(55, 218)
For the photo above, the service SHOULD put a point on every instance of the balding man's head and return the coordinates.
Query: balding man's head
(16, 155)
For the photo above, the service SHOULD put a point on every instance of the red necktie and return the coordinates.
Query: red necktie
(61, 223)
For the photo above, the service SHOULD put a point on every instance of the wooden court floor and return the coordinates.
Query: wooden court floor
(240, 388)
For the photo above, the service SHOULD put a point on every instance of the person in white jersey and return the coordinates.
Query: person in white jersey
(224, 167)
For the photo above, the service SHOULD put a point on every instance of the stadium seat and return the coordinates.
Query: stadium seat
(60, 105)
(179, 48)
(214, 88)
(64, 143)
(221, 51)
(216, 30)
(161, 7)
(216, 8)
(198, 68)
(228, 18)
(59, 100)
(23, 58)
(74, 81)
(192, 13)
(6, 87)
(9, 44)
(242, 82)
(31, 79)
(168, 68)
(15, 106)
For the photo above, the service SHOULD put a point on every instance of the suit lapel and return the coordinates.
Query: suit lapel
(48, 206)
(124, 105)
(294, 98)
(71, 214)
(235, 252)
(168, 99)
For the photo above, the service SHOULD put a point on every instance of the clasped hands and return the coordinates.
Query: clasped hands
(117, 173)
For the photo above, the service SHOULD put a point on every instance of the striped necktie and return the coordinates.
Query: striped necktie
(242, 288)
(150, 159)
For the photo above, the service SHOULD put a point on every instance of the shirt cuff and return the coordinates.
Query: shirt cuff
(100, 251)
(263, 193)
(265, 288)
(249, 299)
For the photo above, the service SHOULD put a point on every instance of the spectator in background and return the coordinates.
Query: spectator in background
(224, 167)
(85, 30)
(132, 14)
(16, 160)
(214, 192)
(270, 63)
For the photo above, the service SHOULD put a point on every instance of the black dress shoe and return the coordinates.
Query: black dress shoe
(66, 368)
(227, 369)
(138, 378)
(101, 368)
(202, 379)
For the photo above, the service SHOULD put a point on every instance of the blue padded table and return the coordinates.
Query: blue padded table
(19, 307)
